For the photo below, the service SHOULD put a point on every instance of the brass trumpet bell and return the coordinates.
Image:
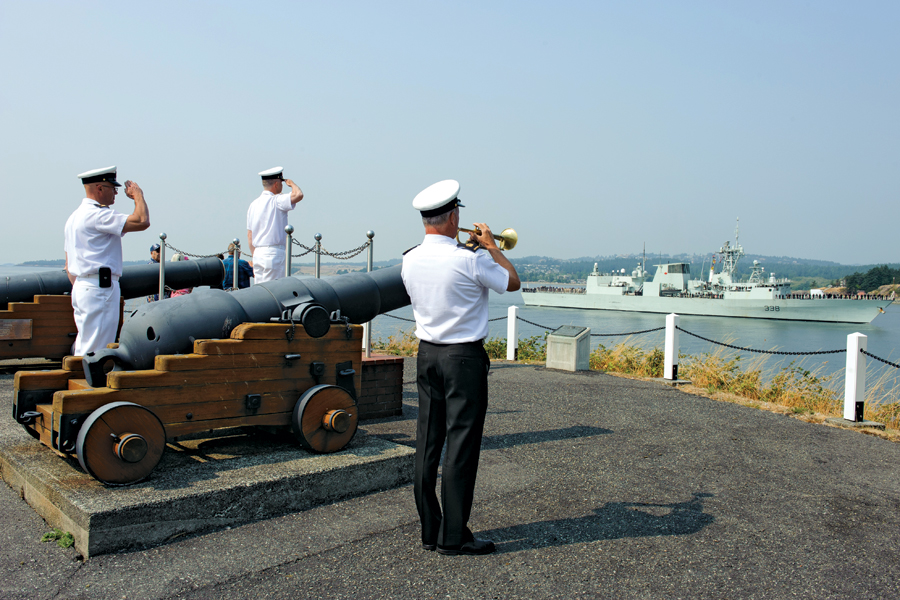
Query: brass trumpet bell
(506, 240)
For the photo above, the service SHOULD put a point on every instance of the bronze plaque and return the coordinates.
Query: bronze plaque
(15, 329)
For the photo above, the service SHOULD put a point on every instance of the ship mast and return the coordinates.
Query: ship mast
(731, 254)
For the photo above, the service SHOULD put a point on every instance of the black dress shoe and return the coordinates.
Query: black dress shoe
(474, 547)
(429, 547)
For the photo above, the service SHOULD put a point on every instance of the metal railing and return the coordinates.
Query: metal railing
(290, 242)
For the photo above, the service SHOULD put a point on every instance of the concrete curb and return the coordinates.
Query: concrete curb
(842, 422)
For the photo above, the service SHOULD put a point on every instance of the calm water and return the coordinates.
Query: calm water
(883, 333)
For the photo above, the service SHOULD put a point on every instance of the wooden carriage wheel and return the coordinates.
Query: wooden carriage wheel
(120, 443)
(325, 418)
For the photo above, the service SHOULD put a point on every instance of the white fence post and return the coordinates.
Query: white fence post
(670, 369)
(855, 377)
(512, 332)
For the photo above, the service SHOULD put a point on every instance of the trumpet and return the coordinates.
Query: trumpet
(506, 240)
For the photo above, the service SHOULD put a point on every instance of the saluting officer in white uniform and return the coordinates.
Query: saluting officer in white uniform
(94, 256)
(448, 285)
(266, 220)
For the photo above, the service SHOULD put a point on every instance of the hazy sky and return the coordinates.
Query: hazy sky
(589, 127)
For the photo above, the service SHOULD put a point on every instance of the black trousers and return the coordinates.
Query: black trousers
(453, 394)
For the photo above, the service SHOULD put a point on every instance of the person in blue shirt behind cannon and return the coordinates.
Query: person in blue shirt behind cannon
(245, 271)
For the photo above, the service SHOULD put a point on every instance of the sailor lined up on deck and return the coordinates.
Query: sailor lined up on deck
(266, 220)
(93, 247)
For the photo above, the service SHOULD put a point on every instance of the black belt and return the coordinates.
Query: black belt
(476, 343)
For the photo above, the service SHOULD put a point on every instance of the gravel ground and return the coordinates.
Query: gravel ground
(591, 486)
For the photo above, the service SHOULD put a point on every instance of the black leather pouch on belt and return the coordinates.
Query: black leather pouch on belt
(104, 277)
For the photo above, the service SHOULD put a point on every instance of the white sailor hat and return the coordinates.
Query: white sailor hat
(438, 198)
(97, 175)
(273, 173)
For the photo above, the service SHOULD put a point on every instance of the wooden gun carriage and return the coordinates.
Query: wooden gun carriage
(261, 375)
(115, 410)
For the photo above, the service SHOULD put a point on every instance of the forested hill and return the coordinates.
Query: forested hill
(805, 273)
(872, 279)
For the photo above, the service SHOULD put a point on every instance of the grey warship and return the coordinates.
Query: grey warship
(671, 290)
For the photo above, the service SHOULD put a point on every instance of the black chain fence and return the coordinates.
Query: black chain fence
(413, 320)
(396, 317)
(535, 324)
(761, 351)
(878, 358)
(629, 333)
(594, 334)
(544, 326)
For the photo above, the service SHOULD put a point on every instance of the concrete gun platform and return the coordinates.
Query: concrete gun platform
(228, 479)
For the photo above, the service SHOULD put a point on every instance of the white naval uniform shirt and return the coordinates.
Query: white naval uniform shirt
(94, 239)
(267, 218)
(448, 289)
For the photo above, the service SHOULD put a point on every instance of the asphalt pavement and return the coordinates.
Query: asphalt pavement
(591, 486)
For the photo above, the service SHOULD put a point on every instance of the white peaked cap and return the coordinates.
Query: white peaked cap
(273, 173)
(107, 174)
(438, 198)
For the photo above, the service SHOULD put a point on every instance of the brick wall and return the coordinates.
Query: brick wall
(382, 387)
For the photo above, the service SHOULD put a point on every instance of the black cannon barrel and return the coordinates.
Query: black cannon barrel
(136, 280)
(23, 288)
(143, 280)
(171, 327)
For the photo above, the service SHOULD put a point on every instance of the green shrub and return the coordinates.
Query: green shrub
(533, 349)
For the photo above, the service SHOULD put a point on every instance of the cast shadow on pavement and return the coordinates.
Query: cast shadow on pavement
(612, 521)
(506, 440)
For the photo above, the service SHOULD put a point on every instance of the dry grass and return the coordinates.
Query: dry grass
(627, 359)
(402, 344)
(794, 387)
(883, 402)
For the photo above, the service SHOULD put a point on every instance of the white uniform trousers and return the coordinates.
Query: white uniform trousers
(96, 315)
(268, 264)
